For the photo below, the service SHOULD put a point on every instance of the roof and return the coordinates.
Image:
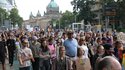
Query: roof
(52, 4)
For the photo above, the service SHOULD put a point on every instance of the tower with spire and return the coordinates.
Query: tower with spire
(38, 14)
(31, 16)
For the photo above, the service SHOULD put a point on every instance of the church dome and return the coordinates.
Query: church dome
(52, 4)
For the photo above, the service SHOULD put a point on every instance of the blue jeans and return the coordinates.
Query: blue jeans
(25, 68)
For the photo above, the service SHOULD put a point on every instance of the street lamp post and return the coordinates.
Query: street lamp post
(114, 14)
(1, 19)
(106, 18)
(65, 24)
(107, 22)
(59, 21)
(59, 24)
(75, 18)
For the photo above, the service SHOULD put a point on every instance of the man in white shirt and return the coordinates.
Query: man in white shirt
(24, 56)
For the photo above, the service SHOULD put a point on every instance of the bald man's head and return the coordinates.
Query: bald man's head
(109, 63)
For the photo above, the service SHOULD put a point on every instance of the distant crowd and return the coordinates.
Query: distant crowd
(62, 50)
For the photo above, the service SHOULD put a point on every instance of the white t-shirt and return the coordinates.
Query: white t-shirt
(82, 63)
(24, 54)
(17, 45)
(63, 40)
(85, 48)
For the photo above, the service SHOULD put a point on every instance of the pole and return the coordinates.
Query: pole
(107, 22)
(106, 19)
(75, 13)
(99, 16)
(59, 24)
(1, 19)
(75, 18)
(114, 23)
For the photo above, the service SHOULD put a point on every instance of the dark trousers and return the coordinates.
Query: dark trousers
(25, 68)
(35, 65)
(2, 58)
(11, 56)
(46, 65)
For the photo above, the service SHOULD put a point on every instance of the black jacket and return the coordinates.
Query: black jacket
(11, 44)
(2, 47)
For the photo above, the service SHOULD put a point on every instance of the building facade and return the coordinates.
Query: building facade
(52, 12)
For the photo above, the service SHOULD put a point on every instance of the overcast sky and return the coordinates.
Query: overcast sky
(25, 7)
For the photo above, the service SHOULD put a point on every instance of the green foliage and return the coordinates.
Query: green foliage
(11, 15)
(108, 1)
(121, 11)
(83, 9)
(67, 19)
(20, 21)
(122, 30)
(15, 18)
(3, 15)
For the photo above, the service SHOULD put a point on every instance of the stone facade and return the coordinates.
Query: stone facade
(52, 12)
(97, 10)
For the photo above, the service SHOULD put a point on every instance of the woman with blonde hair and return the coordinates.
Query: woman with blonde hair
(81, 62)
(82, 44)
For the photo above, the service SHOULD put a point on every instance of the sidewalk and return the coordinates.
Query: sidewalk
(14, 67)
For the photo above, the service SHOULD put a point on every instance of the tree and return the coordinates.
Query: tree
(15, 18)
(83, 10)
(121, 11)
(3, 16)
(20, 21)
(67, 19)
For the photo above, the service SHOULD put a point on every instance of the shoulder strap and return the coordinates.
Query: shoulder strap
(67, 63)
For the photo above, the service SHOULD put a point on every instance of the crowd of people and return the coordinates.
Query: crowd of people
(62, 50)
